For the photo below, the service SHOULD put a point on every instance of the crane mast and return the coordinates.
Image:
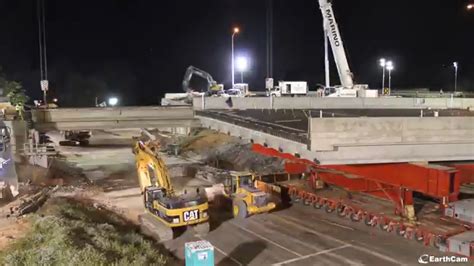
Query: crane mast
(332, 31)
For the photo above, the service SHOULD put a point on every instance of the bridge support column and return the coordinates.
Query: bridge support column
(13, 141)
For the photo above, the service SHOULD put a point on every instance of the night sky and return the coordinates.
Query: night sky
(140, 49)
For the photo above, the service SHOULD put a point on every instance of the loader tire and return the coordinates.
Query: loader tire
(239, 209)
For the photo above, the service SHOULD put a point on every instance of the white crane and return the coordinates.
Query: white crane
(347, 88)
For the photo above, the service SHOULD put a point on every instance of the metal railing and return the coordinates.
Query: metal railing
(34, 149)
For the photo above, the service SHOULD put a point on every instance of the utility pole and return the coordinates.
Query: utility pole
(269, 38)
(41, 13)
(456, 65)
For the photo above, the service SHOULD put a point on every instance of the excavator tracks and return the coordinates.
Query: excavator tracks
(201, 229)
(150, 226)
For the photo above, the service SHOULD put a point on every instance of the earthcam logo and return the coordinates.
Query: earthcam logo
(425, 259)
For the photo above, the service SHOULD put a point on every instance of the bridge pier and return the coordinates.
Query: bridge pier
(13, 137)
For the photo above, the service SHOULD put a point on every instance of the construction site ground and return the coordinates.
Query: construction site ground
(298, 235)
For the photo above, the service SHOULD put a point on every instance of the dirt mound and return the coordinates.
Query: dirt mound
(240, 157)
(245, 159)
(79, 232)
(203, 141)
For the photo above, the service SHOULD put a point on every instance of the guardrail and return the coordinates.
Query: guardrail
(31, 149)
(207, 103)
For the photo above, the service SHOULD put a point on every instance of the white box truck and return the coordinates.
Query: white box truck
(289, 88)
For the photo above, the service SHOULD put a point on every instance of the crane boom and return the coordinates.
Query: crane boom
(332, 32)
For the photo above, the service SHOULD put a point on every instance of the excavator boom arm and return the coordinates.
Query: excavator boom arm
(190, 71)
(151, 168)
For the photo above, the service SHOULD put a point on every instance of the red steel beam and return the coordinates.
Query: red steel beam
(466, 172)
(432, 180)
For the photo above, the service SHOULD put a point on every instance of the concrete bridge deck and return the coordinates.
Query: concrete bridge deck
(113, 117)
(379, 136)
(329, 136)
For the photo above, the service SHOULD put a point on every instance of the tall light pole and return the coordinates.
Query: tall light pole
(236, 30)
(389, 68)
(383, 63)
(455, 64)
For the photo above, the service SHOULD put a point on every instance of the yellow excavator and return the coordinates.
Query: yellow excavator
(165, 210)
(246, 199)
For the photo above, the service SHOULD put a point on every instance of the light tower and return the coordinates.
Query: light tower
(236, 30)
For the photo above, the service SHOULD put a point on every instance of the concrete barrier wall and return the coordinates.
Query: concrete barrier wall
(327, 134)
(237, 103)
(330, 103)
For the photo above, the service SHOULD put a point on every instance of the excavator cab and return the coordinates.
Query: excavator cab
(165, 209)
(215, 89)
(246, 198)
(153, 194)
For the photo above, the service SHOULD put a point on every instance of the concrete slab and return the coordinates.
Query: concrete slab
(113, 117)
(353, 140)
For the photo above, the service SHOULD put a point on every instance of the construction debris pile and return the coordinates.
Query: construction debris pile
(32, 203)
(239, 157)
(212, 174)
(225, 152)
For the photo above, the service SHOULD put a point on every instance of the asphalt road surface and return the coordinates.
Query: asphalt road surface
(301, 235)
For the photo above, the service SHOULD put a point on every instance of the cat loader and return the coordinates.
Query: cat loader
(246, 199)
